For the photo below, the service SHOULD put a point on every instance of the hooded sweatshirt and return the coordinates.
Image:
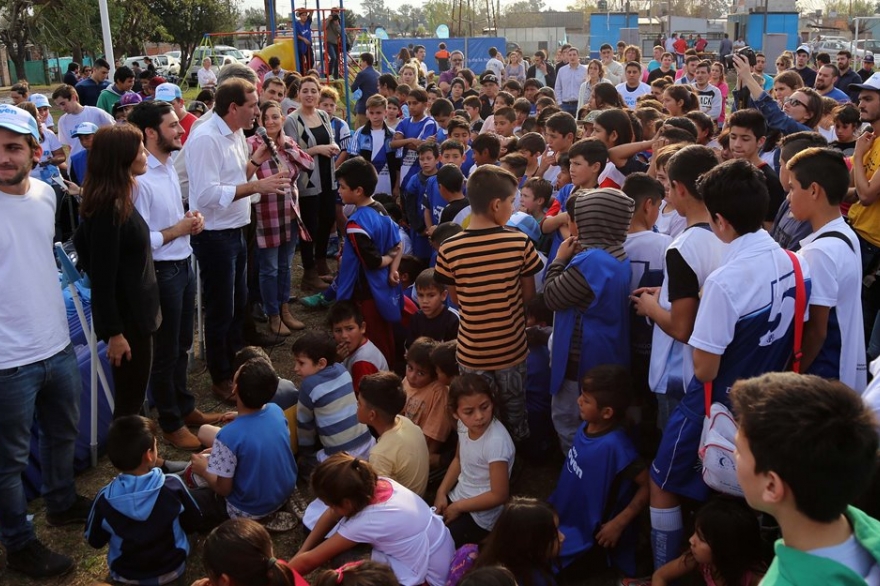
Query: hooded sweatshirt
(145, 520)
(590, 293)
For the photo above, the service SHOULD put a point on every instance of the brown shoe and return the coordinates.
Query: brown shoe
(312, 282)
(277, 327)
(291, 322)
(197, 418)
(183, 439)
(223, 391)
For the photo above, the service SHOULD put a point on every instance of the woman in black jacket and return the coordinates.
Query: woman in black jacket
(113, 243)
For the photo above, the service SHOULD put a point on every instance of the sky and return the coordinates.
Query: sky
(392, 4)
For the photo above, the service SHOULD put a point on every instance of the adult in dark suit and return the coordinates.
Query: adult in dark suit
(540, 69)
(367, 80)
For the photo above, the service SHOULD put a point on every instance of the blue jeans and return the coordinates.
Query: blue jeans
(570, 107)
(333, 58)
(274, 266)
(177, 298)
(50, 389)
(222, 258)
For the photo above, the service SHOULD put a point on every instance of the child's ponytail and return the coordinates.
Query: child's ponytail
(242, 549)
(342, 478)
(360, 573)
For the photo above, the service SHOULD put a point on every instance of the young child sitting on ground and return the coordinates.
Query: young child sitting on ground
(434, 319)
(401, 452)
(143, 513)
(326, 417)
(250, 471)
(426, 398)
(604, 485)
(358, 354)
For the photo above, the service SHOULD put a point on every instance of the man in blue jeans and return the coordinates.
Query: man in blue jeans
(218, 168)
(159, 202)
(38, 369)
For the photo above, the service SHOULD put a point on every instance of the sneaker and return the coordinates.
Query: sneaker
(38, 561)
(173, 466)
(78, 512)
(279, 522)
(316, 301)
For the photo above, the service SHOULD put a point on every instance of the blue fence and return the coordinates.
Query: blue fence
(35, 72)
(476, 51)
(605, 28)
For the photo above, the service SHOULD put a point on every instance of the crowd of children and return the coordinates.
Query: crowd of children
(516, 281)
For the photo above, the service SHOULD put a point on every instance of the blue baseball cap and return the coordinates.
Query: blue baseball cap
(84, 128)
(526, 224)
(18, 121)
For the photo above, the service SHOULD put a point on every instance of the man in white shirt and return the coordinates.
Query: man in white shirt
(633, 88)
(711, 102)
(158, 201)
(613, 70)
(206, 75)
(568, 82)
(38, 364)
(218, 167)
(495, 65)
(690, 71)
(66, 98)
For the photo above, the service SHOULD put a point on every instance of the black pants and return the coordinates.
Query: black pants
(131, 377)
(319, 216)
(465, 530)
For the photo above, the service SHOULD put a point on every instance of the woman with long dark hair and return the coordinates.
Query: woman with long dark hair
(113, 244)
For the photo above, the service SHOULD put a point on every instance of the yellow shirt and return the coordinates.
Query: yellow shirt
(866, 219)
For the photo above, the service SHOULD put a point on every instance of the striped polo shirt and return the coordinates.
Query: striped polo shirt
(485, 267)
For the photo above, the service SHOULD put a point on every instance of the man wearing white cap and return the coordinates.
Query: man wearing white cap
(864, 215)
(38, 365)
(801, 67)
(84, 133)
(67, 99)
(170, 92)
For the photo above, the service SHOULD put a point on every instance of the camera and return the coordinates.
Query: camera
(746, 53)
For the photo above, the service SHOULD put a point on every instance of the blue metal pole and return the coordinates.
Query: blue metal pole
(344, 57)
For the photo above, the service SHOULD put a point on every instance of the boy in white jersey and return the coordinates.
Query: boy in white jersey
(744, 328)
(691, 257)
(833, 344)
(646, 250)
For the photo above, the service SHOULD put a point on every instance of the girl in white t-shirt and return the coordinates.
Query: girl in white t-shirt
(365, 508)
(477, 483)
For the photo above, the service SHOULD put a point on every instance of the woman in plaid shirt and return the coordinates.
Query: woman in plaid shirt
(278, 221)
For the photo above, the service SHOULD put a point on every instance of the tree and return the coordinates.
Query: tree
(186, 21)
(523, 6)
(70, 26)
(376, 13)
(16, 30)
(254, 19)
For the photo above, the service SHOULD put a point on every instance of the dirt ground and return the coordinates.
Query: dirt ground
(536, 479)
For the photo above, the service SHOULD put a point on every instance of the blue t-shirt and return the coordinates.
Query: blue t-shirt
(432, 200)
(263, 469)
(421, 130)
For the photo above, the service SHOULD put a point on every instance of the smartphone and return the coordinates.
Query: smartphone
(59, 182)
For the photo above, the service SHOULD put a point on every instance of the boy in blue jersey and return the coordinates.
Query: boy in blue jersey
(646, 250)
(833, 345)
(143, 513)
(587, 285)
(372, 141)
(451, 152)
(457, 129)
(744, 328)
(411, 133)
(412, 195)
(604, 486)
(250, 471)
(586, 159)
(441, 112)
(326, 415)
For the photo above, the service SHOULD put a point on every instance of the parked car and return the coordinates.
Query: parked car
(176, 54)
(227, 50)
(166, 65)
(869, 46)
(247, 54)
(833, 46)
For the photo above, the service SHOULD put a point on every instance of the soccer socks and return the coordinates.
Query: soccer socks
(667, 531)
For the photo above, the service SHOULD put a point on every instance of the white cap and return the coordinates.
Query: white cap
(805, 48)
(18, 121)
(872, 83)
(84, 128)
(168, 92)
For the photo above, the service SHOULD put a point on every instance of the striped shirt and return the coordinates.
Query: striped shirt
(327, 411)
(486, 268)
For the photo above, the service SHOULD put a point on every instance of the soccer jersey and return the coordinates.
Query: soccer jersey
(433, 201)
(646, 251)
(835, 273)
(375, 146)
(690, 259)
(424, 128)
